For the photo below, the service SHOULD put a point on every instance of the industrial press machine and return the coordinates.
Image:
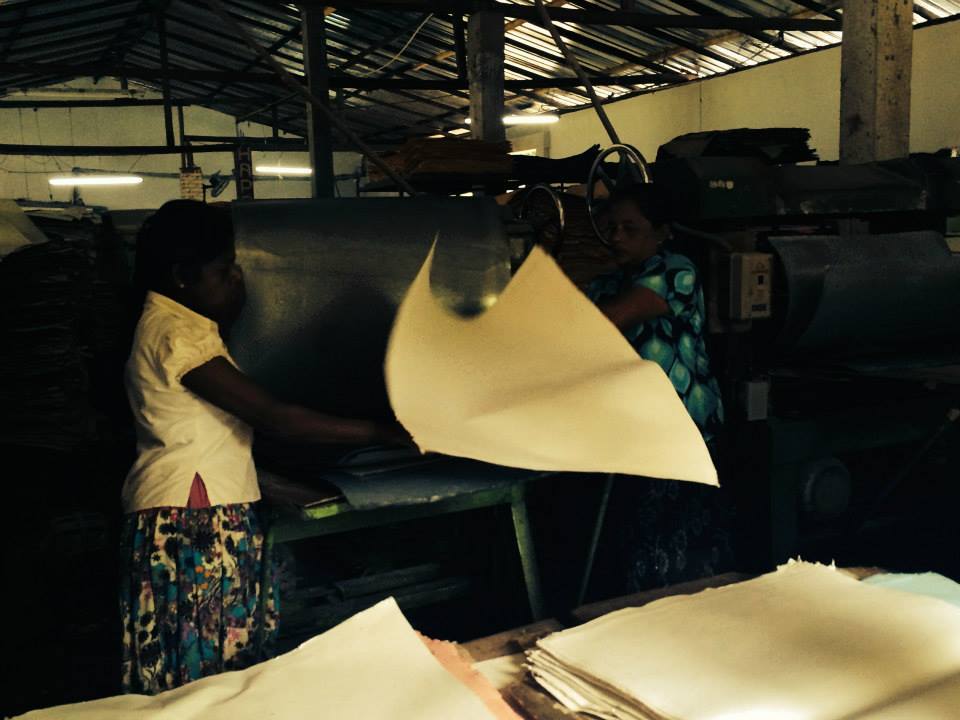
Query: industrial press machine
(833, 296)
(832, 299)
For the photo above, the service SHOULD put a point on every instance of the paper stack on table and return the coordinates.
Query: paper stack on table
(370, 667)
(541, 380)
(803, 643)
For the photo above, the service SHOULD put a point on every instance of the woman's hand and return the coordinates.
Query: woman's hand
(633, 306)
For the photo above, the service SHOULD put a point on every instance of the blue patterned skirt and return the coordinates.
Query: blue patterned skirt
(191, 595)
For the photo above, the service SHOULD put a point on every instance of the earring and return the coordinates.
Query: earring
(181, 286)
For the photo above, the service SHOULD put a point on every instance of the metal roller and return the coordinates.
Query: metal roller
(324, 278)
(854, 295)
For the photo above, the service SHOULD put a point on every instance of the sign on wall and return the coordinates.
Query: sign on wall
(243, 160)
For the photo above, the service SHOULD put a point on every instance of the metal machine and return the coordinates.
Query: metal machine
(833, 299)
(324, 278)
(832, 293)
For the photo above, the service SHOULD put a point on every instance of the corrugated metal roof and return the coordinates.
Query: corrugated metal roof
(366, 43)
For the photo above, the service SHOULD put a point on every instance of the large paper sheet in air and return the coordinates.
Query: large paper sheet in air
(370, 667)
(541, 380)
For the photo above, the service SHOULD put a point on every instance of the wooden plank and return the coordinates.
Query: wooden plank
(509, 642)
(534, 704)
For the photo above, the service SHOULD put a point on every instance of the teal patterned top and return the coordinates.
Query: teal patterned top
(675, 341)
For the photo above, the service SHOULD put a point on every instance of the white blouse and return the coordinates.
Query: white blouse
(178, 433)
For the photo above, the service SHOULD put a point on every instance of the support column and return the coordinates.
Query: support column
(876, 59)
(165, 80)
(460, 44)
(485, 74)
(319, 136)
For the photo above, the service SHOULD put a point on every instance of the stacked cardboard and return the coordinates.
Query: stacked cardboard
(43, 379)
(447, 156)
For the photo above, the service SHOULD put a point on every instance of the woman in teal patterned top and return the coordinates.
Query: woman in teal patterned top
(654, 297)
(662, 531)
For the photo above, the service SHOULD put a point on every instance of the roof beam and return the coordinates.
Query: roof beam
(139, 23)
(336, 81)
(89, 42)
(386, 41)
(62, 29)
(218, 8)
(435, 65)
(427, 124)
(14, 34)
(101, 69)
(818, 7)
(90, 150)
(372, 83)
(37, 14)
(257, 143)
(118, 103)
(291, 34)
(671, 52)
(777, 40)
(627, 18)
(206, 100)
(402, 107)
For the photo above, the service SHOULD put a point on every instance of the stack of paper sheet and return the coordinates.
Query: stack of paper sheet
(803, 643)
(373, 666)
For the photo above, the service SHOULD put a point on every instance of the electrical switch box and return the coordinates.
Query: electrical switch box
(750, 283)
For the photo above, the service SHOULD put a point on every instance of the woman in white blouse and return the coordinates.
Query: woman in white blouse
(192, 548)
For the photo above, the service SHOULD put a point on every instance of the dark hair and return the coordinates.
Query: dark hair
(648, 198)
(184, 233)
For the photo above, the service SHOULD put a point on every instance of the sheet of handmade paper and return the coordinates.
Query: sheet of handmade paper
(540, 380)
(803, 643)
(370, 667)
(16, 229)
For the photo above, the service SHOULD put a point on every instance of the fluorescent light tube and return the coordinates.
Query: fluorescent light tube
(527, 119)
(530, 119)
(282, 170)
(73, 180)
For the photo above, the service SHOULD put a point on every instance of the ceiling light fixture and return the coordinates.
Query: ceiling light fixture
(75, 180)
(527, 119)
(282, 170)
(545, 119)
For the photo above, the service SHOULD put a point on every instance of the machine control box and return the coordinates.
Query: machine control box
(750, 276)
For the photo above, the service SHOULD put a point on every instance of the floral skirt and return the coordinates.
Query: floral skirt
(190, 595)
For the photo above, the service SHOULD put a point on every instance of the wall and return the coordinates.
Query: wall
(27, 177)
(800, 92)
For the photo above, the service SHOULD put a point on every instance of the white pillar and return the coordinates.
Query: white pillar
(876, 57)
